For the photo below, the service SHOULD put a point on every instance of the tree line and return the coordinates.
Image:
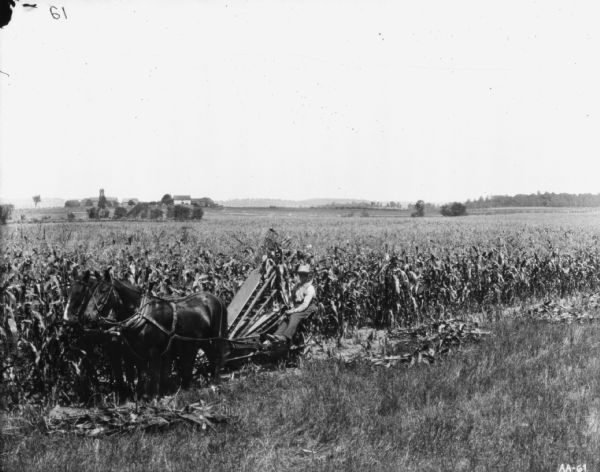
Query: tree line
(546, 199)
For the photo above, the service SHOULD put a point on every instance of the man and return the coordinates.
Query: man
(305, 301)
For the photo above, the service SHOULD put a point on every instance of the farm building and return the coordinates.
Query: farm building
(111, 202)
(126, 201)
(182, 199)
(204, 202)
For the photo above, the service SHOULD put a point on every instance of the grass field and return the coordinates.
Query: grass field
(524, 398)
(60, 214)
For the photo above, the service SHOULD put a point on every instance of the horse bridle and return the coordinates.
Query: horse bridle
(99, 304)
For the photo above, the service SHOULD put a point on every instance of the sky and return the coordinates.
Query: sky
(362, 99)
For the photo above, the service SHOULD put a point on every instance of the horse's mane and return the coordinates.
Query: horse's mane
(126, 285)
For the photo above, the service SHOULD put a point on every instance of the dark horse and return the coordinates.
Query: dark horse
(78, 308)
(177, 327)
(160, 329)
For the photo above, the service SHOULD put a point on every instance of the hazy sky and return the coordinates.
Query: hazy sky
(298, 99)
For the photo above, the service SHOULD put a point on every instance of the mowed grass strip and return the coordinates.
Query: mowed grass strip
(526, 398)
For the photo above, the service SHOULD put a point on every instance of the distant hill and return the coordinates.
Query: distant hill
(277, 202)
(28, 202)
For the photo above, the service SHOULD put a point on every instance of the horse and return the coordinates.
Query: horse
(83, 290)
(177, 327)
(159, 330)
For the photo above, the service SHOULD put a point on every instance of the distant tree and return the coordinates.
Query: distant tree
(204, 202)
(167, 199)
(36, 199)
(72, 203)
(181, 212)
(197, 213)
(454, 209)
(538, 199)
(131, 203)
(5, 212)
(419, 209)
(92, 212)
(71, 216)
(120, 212)
(102, 200)
(156, 213)
(87, 202)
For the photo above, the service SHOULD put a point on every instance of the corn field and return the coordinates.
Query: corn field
(372, 273)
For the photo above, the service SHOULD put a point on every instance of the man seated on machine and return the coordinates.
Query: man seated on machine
(305, 304)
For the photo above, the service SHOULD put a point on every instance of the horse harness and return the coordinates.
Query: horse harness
(143, 317)
(139, 318)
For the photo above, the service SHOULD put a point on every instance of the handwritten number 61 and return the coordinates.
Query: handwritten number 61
(55, 12)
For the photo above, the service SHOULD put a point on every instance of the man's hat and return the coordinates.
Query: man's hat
(303, 269)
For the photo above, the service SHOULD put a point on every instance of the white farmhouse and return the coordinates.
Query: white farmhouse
(182, 199)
